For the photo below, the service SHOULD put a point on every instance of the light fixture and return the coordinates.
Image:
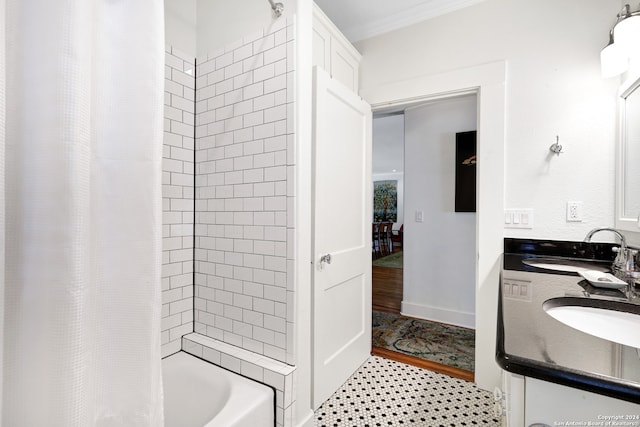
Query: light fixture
(623, 43)
(613, 60)
(627, 31)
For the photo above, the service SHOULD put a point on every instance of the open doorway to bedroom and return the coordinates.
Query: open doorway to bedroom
(424, 282)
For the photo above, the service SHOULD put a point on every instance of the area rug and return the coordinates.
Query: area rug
(389, 261)
(436, 342)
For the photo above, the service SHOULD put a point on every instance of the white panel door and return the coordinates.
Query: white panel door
(342, 204)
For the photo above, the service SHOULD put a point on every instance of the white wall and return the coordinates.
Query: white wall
(180, 25)
(224, 22)
(302, 250)
(553, 88)
(388, 155)
(388, 144)
(439, 260)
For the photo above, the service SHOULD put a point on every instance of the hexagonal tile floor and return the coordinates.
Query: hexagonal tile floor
(383, 392)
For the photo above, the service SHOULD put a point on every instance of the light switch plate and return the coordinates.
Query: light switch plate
(518, 218)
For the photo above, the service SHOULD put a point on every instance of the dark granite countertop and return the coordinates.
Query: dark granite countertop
(532, 343)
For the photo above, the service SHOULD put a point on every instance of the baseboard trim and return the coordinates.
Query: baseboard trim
(442, 315)
(307, 421)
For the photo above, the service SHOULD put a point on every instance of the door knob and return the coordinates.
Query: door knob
(325, 258)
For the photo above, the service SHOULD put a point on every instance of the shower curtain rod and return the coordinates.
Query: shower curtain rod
(278, 8)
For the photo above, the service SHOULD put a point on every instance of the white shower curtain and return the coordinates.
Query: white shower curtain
(83, 95)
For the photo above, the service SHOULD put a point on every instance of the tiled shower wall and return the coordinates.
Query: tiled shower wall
(244, 193)
(177, 199)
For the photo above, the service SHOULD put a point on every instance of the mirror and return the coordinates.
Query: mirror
(628, 171)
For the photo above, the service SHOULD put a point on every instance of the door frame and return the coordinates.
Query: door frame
(487, 81)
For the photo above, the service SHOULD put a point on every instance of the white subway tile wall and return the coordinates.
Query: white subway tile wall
(245, 193)
(177, 199)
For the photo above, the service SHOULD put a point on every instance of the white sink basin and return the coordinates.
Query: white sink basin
(563, 265)
(612, 320)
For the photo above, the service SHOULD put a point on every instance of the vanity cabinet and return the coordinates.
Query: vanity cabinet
(531, 402)
(553, 373)
(332, 51)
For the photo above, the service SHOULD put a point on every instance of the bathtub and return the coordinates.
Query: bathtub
(200, 394)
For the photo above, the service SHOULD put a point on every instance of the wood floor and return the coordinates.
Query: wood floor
(387, 289)
(387, 296)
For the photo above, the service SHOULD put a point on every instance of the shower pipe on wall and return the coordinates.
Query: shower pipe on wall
(278, 8)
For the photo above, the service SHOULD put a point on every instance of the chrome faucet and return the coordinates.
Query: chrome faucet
(623, 241)
(625, 259)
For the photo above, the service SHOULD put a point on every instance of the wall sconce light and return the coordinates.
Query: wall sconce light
(623, 43)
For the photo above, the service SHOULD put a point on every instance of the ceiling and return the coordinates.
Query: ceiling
(388, 144)
(361, 19)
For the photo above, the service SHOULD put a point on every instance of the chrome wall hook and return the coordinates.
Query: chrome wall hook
(556, 148)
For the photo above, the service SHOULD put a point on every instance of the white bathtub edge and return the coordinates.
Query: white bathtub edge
(250, 403)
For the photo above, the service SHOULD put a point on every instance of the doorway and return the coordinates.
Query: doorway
(488, 82)
(388, 211)
(436, 281)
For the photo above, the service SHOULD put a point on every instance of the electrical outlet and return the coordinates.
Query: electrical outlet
(574, 211)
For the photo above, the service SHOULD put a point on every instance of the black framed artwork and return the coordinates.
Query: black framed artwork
(466, 172)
